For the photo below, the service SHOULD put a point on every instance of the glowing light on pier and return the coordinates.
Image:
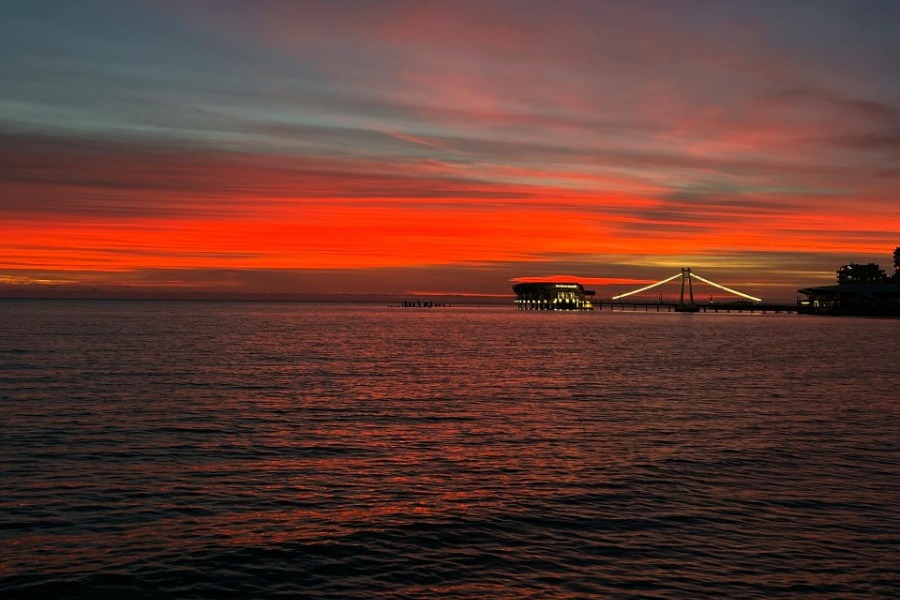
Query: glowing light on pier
(693, 275)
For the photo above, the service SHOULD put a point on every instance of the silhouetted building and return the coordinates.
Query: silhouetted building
(861, 290)
(552, 296)
(854, 273)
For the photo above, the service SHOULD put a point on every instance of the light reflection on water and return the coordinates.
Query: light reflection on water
(214, 449)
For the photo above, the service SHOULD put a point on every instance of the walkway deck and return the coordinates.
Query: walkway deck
(763, 308)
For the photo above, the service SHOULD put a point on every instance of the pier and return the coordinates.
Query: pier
(686, 302)
(764, 308)
(558, 295)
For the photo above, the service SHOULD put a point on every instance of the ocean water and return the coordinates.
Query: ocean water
(222, 450)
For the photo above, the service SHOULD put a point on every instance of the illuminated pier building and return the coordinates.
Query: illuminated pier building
(553, 296)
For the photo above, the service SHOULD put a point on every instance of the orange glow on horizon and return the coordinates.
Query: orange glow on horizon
(581, 280)
(375, 233)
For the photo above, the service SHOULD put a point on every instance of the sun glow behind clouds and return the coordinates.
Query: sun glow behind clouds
(271, 137)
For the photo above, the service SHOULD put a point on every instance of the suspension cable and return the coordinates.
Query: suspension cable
(649, 287)
(694, 275)
(727, 289)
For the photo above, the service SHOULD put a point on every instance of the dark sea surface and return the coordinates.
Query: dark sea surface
(224, 450)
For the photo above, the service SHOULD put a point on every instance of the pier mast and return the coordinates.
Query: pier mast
(690, 306)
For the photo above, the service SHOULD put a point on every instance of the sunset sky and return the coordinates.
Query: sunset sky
(416, 147)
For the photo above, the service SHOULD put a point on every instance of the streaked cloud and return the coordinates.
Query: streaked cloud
(464, 138)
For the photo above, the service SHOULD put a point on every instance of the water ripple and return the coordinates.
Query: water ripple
(216, 450)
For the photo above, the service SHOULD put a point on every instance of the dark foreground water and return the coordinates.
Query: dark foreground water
(202, 450)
